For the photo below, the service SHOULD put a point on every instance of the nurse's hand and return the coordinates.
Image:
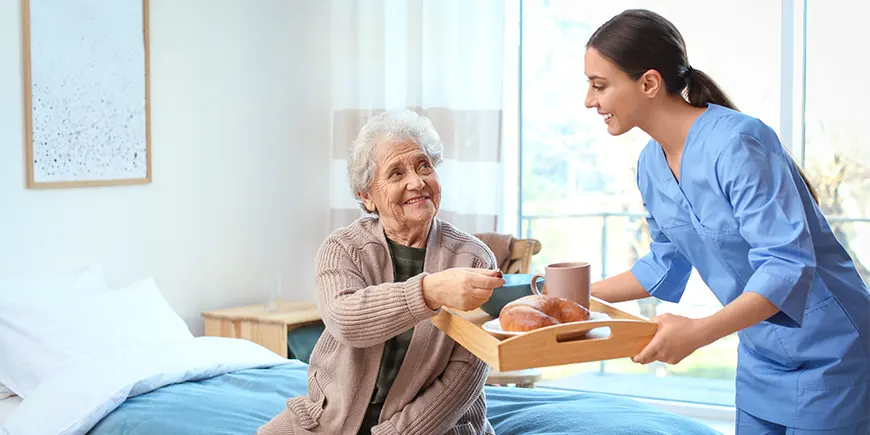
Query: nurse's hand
(676, 338)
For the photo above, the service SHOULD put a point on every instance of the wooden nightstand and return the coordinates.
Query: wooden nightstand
(254, 323)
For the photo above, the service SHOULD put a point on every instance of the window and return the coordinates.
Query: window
(578, 194)
(836, 153)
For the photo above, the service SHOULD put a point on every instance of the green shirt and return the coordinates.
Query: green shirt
(407, 263)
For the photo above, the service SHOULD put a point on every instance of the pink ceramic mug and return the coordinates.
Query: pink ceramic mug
(566, 280)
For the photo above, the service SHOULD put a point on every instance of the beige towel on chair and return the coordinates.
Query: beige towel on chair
(501, 246)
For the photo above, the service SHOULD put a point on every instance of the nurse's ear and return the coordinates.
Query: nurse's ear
(651, 83)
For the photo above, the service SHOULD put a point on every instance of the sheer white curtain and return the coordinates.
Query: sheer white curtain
(443, 58)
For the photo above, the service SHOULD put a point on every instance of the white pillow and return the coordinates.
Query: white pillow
(12, 288)
(37, 338)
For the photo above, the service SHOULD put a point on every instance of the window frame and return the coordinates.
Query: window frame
(793, 78)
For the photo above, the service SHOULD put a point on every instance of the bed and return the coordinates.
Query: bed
(121, 361)
(231, 386)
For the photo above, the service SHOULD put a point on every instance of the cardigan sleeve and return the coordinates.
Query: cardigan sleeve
(359, 315)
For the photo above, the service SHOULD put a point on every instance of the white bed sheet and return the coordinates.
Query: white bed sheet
(7, 407)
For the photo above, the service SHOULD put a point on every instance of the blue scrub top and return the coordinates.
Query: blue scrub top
(743, 217)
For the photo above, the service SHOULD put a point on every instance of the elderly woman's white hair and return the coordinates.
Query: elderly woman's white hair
(394, 125)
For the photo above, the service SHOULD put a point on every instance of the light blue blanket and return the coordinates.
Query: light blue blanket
(240, 402)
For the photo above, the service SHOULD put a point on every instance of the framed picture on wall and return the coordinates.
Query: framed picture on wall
(86, 92)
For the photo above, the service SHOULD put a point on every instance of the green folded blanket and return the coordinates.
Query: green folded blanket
(301, 341)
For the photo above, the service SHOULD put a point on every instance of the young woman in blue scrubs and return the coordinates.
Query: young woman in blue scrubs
(724, 197)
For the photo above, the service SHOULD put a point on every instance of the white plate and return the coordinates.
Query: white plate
(494, 327)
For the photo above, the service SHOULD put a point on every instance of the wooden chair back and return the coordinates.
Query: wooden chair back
(522, 252)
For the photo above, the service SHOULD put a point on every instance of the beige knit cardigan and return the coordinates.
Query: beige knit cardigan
(439, 387)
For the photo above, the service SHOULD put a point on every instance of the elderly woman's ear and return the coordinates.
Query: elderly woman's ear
(367, 203)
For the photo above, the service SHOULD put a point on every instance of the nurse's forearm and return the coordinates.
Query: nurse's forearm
(748, 309)
(619, 288)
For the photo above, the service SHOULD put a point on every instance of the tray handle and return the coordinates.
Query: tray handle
(620, 329)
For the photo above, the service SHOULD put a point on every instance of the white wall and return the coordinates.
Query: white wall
(240, 134)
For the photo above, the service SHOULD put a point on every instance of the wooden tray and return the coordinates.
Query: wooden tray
(553, 345)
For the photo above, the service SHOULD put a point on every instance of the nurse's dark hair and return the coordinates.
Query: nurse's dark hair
(639, 40)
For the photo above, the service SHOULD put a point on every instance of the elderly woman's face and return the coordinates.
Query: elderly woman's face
(405, 191)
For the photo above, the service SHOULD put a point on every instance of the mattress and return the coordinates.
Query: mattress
(242, 401)
(7, 407)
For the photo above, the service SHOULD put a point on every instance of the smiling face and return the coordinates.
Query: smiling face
(405, 190)
(620, 100)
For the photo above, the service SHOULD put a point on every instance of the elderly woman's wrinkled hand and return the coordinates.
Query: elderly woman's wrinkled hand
(462, 288)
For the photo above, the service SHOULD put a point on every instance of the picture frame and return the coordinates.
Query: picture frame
(86, 92)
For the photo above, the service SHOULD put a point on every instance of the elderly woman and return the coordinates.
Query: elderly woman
(380, 366)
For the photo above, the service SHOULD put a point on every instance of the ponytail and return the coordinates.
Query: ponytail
(701, 90)
(813, 192)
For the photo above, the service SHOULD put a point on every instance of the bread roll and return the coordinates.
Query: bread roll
(537, 311)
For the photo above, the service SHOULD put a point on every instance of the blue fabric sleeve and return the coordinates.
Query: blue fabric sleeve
(664, 271)
(761, 186)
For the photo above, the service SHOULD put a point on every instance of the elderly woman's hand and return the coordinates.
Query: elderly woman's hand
(462, 288)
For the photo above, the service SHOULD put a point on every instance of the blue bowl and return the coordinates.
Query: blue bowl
(516, 286)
